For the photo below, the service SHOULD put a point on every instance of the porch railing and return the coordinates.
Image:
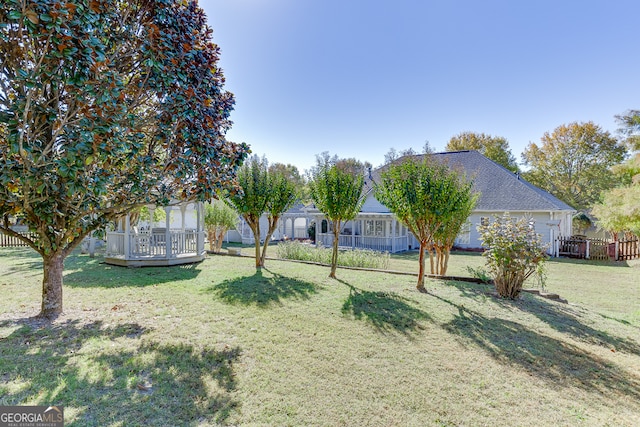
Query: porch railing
(153, 244)
(382, 244)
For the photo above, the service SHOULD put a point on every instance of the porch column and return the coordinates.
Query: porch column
(183, 211)
(353, 234)
(167, 230)
(318, 226)
(393, 236)
(200, 228)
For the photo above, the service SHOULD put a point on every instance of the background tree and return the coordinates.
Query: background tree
(431, 200)
(218, 219)
(495, 148)
(106, 106)
(574, 163)
(514, 252)
(629, 127)
(265, 190)
(619, 211)
(336, 188)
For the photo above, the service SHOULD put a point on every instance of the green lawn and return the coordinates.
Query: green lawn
(220, 344)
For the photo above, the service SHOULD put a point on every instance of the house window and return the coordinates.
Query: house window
(374, 227)
(464, 237)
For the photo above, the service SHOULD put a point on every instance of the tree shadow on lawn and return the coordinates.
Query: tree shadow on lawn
(262, 290)
(386, 311)
(91, 272)
(559, 316)
(81, 367)
(555, 361)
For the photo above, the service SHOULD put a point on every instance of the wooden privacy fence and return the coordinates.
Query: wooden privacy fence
(7, 241)
(627, 249)
(597, 249)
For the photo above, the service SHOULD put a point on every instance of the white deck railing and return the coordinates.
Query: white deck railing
(153, 244)
(382, 244)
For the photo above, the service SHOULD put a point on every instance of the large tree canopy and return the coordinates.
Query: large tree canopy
(495, 148)
(574, 163)
(106, 105)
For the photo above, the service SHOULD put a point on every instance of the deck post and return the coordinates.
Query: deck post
(127, 238)
(167, 231)
(200, 228)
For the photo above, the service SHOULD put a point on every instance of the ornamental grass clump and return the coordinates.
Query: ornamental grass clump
(514, 252)
(363, 258)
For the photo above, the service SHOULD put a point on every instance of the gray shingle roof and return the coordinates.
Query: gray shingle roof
(499, 188)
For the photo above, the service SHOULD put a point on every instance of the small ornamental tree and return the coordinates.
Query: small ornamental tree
(336, 188)
(265, 190)
(218, 219)
(514, 252)
(106, 106)
(432, 200)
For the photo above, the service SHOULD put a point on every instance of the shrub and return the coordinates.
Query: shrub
(363, 258)
(514, 252)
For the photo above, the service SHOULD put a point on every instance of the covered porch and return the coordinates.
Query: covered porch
(381, 232)
(150, 245)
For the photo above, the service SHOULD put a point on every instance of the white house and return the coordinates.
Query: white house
(500, 191)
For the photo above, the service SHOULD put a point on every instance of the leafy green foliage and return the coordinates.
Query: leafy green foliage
(630, 127)
(495, 148)
(514, 252)
(265, 190)
(619, 210)
(336, 188)
(218, 219)
(574, 163)
(105, 106)
(432, 200)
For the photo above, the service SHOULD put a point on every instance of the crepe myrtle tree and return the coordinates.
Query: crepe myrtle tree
(336, 187)
(432, 200)
(269, 190)
(106, 106)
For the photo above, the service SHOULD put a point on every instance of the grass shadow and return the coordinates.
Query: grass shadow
(85, 272)
(384, 310)
(262, 290)
(566, 319)
(107, 375)
(555, 361)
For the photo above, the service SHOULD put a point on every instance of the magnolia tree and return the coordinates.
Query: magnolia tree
(336, 188)
(218, 219)
(106, 106)
(514, 252)
(266, 191)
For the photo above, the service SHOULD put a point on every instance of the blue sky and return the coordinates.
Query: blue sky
(356, 77)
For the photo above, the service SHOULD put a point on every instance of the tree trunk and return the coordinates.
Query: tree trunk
(446, 261)
(334, 255)
(219, 239)
(420, 285)
(52, 286)
(211, 237)
(273, 223)
(255, 228)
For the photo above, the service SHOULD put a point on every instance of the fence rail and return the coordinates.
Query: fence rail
(8, 241)
(597, 249)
